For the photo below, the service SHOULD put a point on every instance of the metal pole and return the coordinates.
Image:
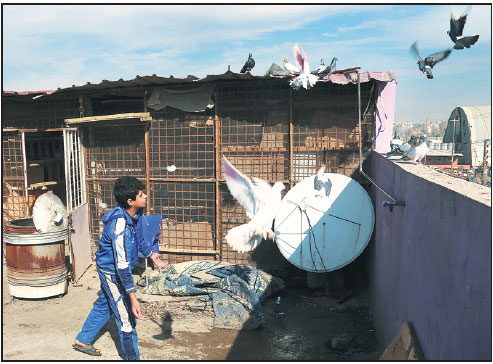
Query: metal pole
(394, 202)
(291, 138)
(359, 121)
(485, 146)
(453, 148)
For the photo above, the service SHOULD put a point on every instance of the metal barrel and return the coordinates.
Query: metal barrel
(36, 263)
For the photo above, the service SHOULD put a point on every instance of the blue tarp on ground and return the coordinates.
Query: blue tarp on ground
(236, 290)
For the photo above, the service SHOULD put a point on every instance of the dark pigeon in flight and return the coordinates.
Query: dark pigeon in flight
(457, 27)
(426, 65)
(249, 64)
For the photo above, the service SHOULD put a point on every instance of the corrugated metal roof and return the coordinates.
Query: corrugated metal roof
(340, 77)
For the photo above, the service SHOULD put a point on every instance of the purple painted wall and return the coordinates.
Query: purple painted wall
(384, 120)
(430, 264)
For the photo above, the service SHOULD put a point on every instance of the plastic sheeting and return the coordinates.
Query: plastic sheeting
(236, 290)
(194, 100)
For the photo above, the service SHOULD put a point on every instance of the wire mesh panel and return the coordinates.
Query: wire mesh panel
(326, 129)
(100, 201)
(13, 191)
(115, 151)
(188, 224)
(184, 140)
(254, 133)
(42, 112)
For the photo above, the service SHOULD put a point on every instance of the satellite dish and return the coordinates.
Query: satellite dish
(322, 234)
(49, 214)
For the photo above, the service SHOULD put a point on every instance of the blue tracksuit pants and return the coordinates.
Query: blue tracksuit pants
(112, 299)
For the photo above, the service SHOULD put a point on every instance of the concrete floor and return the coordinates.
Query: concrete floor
(44, 329)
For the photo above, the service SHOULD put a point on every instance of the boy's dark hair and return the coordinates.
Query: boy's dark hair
(127, 187)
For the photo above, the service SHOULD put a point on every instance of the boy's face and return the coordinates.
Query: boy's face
(139, 202)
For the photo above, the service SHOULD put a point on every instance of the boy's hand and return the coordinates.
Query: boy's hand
(156, 259)
(136, 306)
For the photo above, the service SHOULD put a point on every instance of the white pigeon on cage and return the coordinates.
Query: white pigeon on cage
(305, 79)
(261, 201)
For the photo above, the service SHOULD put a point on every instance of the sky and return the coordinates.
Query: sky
(50, 46)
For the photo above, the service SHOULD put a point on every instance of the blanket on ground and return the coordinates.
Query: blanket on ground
(236, 290)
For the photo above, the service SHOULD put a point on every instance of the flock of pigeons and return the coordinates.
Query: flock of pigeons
(456, 29)
(308, 79)
(414, 150)
(304, 77)
(261, 200)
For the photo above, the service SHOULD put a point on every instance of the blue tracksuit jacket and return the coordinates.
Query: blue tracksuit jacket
(119, 246)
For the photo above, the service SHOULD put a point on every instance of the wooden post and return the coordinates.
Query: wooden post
(148, 159)
(217, 148)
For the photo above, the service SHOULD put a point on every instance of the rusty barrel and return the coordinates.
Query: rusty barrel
(35, 261)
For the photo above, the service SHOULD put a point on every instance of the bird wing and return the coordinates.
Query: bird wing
(415, 51)
(306, 66)
(243, 189)
(297, 56)
(436, 57)
(262, 190)
(291, 67)
(410, 153)
(469, 40)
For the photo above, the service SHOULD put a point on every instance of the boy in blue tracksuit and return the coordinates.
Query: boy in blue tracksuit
(115, 260)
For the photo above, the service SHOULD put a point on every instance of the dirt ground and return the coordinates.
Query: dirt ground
(44, 329)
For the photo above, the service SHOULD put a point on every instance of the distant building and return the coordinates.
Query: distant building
(471, 126)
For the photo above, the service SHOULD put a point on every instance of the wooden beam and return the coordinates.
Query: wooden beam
(188, 251)
(142, 116)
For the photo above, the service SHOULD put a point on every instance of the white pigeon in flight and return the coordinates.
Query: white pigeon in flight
(261, 202)
(305, 79)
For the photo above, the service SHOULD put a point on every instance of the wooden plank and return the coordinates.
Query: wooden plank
(188, 251)
(143, 116)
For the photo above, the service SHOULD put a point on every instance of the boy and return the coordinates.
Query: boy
(115, 260)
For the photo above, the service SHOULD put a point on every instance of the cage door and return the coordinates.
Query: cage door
(80, 249)
(74, 169)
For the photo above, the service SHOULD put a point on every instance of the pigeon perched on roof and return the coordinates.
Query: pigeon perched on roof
(249, 64)
(395, 143)
(321, 184)
(291, 68)
(305, 79)
(261, 202)
(418, 152)
(331, 68)
(320, 69)
(426, 65)
(457, 27)
(279, 308)
(406, 147)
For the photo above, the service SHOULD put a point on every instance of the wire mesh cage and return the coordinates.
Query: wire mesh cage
(264, 128)
(13, 186)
